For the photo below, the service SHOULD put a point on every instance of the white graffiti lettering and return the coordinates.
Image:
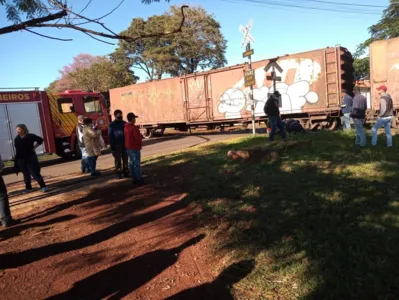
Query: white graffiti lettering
(231, 103)
(293, 96)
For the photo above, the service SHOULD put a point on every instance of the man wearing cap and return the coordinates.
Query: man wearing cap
(358, 114)
(133, 142)
(272, 111)
(384, 117)
(81, 144)
(116, 137)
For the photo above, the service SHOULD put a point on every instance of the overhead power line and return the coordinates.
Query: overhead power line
(287, 5)
(347, 4)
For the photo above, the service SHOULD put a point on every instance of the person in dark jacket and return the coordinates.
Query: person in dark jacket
(346, 109)
(133, 142)
(293, 126)
(26, 159)
(272, 111)
(358, 114)
(384, 117)
(81, 144)
(117, 142)
(5, 213)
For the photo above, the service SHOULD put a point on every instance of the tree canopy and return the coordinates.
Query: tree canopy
(386, 28)
(361, 68)
(31, 14)
(96, 73)
(200, 45)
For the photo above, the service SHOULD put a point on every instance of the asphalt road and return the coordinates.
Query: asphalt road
(154, 146)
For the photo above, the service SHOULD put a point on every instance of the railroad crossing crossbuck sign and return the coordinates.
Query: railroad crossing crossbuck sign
(273, 65)
(247, 36)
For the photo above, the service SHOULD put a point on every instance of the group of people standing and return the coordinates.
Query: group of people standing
(125, 141)
(356, 107)
(352, 107)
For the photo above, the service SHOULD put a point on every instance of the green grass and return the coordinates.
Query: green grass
(321, 222)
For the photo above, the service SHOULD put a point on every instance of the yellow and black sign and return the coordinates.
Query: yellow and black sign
(248, 51)
(249, 78)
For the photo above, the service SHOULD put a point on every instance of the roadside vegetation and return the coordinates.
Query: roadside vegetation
(322, 222)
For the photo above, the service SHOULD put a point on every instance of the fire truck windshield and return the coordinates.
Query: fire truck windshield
(92, 104)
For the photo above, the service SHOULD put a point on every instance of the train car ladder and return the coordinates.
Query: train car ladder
(331, 62)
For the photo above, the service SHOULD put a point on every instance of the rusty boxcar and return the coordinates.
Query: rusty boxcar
(311, 86)
(384, 70)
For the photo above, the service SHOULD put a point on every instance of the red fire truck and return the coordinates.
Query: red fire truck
(52, 116)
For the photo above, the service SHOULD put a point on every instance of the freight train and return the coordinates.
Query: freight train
(312, 85)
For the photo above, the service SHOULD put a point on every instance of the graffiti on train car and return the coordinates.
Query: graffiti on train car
(295, 88)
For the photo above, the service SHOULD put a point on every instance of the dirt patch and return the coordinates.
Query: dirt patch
(105, 239)
(265, 153)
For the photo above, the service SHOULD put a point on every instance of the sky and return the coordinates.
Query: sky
(27, 60)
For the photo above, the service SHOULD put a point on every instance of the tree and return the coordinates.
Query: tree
(51, 87)
(199, 45)
(29, 14)
(386, 28)
(96, 73)
(150, 55)
(102, 76)
(362, 68)
(66, 82)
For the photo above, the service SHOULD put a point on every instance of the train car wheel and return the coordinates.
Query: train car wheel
(395, 122)
(147, 133)
(332, 124)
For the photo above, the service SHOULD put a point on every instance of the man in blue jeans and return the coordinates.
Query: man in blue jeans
(272, 111)
(358, 114)
(117, 142)
(133, 143)
(384, 117)
(346, 109)
(91, 139)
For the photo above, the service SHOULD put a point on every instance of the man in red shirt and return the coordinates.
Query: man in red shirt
(133, 144)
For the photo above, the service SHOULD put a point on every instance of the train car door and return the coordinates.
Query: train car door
(198, 108)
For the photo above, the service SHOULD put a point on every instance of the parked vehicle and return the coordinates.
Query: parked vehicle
(54, 117)
(311, 85)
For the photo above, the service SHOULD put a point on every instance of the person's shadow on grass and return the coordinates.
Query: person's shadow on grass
(221, 286)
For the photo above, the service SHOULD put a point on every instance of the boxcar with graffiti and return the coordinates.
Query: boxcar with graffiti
(311, 86)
